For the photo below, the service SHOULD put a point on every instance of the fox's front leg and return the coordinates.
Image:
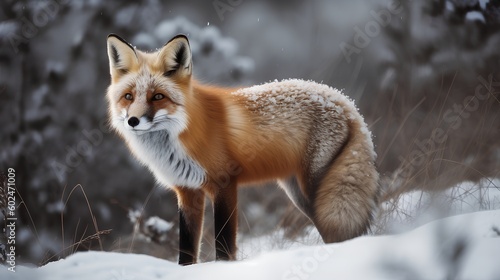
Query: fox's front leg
(226, 222)
(191, 209)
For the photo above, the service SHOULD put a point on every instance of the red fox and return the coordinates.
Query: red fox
(202, 140)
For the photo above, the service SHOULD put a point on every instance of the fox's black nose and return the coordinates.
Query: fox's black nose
(133, 121)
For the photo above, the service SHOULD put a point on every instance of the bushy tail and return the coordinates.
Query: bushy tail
(347, 195)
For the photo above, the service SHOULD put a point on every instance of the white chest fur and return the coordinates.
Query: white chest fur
(166, 158)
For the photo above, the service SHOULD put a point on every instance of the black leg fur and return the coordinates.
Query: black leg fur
(226, 223)
(187, 247)
(191, 210)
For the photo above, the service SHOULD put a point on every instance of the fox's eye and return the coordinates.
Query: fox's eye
(128, 96)
(158, 96)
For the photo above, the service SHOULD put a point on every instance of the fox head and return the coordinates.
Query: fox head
(148, 91)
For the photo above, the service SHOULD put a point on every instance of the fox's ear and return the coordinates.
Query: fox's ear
(175, 57)
(122, 56)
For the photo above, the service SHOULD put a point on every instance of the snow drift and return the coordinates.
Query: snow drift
(460, 247)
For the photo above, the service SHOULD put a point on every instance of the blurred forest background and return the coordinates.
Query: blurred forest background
(425, 74)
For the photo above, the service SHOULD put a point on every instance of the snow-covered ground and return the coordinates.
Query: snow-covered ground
(465, 245)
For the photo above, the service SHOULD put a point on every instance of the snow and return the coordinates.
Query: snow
(7, 28)
(428, 252)
(475, 16)
(449, 6)
(208, 46)
(55, 207)
(284, 93)
(159, 224)
(417, 207)
(483, 3)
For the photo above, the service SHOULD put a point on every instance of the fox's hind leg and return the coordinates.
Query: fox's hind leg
(294, 191)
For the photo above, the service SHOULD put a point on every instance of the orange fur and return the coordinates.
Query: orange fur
(210, 140)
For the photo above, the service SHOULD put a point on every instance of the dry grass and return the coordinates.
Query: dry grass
(83, 241)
